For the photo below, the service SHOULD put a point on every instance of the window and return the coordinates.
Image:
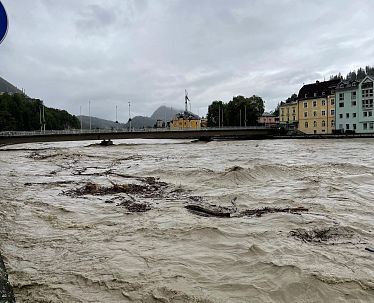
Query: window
(333, 101)
(305, 104)
(332, 123)
(341, 104)
(314, 114)
(365, 126)
(341, 97)
(293, 118)
(314, 103)
(368, 103)
(306, 124)
(371, 125)
(305, 114)
(282, 112)
(293, 110)
(332, 112)
(365, 114)
(354, 103)
(347, 126)
(315, 123)
(354, 126)
(354, 115)
(323, 113)
(353, 95)
(340, 126)
(347, 115)
(323, 102)
(323, 123)
(323, 131)
(367, 85)
(370, 114)
(315, 94)
(341, 116)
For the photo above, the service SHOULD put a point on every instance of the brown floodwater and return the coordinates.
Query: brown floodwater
(70, 231)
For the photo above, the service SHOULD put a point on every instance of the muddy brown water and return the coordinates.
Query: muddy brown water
(61, 247)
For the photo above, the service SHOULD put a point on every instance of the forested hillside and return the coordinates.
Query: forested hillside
(18, 112)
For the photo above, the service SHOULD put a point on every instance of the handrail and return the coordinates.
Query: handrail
(113, 131)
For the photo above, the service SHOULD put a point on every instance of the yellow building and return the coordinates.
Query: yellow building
(185, 120)
(316, 107)
(288, 115)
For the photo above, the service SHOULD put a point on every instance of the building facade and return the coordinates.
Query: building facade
(354, 106)
(316, 107)
(288, 115)
(365, 113)
(184, 120)
(268, 120)
(347, 106)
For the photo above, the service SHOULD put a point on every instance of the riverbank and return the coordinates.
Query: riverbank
(6, 290)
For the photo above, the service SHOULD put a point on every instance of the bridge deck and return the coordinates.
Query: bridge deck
(78, 135)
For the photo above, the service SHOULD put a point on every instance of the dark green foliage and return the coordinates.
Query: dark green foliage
(240, 111)
(20, 113)
(358, 75)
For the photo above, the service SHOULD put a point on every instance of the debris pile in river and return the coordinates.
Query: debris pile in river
(138, 207)
(148, 188)
(258, 212)
(319, 235)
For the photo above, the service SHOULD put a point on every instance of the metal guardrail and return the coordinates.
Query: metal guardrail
(109, 131)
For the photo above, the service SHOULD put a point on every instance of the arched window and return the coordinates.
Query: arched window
(306, 124)
(323, 123)
(315, 123)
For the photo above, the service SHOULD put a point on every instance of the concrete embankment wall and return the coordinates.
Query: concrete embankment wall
(6, 291)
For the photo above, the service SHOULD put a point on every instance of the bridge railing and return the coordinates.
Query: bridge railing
(118, 130)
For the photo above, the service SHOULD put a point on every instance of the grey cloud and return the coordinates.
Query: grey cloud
(148, 52)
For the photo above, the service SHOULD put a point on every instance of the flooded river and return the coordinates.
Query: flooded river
(85, 223)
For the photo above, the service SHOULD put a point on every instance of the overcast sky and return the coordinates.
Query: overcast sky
(148, 51)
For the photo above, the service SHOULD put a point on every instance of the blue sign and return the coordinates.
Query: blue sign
(3, 22)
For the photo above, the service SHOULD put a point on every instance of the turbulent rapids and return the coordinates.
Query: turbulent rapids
(175, 221)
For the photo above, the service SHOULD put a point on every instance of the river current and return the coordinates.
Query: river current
(63, 243)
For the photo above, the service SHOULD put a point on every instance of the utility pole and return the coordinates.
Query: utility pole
(245, 116)
(80, 115)
(129, 116)
(89, 111)
(219, 116)
(40, 118)
(43, 120)
(222, 117)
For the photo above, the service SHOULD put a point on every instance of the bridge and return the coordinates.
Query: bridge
(106, 135)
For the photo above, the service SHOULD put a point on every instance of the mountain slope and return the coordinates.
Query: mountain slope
(6, 87)
(165, 112)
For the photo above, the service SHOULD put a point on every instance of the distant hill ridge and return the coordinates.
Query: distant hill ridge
(137, 122)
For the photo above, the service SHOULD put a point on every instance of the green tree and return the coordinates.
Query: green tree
(215, 111)
(18, 112)
(239, 111)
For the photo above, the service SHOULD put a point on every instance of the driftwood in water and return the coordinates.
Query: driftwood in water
(209, 212)
(225, 212)
(266, 210)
